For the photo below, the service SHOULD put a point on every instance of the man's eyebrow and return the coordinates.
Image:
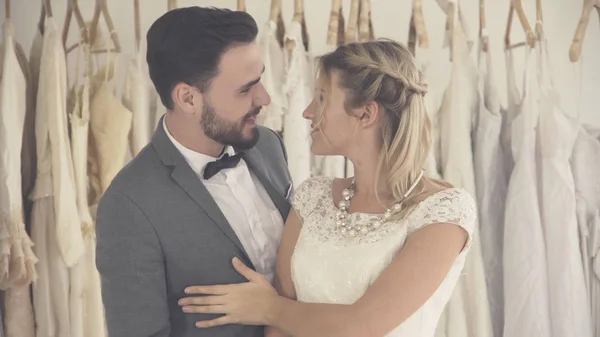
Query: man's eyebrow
(252, 83)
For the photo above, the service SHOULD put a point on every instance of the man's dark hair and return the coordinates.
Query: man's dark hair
(186, 45)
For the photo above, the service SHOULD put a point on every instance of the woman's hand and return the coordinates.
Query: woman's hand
(250, 303)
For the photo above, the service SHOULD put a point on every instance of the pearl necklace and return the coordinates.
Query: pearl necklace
(342, 218)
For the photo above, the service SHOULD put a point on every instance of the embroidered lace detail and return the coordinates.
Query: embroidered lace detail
(313, 201)
(454, 205)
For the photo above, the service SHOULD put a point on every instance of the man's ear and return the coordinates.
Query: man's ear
(186, 97)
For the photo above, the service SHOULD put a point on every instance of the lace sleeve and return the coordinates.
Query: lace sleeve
(308, 195)
(455, 206)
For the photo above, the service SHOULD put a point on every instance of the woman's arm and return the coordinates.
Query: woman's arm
(283, 276)
(402, 288)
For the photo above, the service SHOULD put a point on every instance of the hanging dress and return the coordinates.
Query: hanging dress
(513, 108)
(491, 184)
(273, 78)
(332, 166)
(526, 302)
(55, 228)
(109, 127)
(436, 70)
(585, 162)
(467, 313)
(28, 151)
(298, 88)
(42, 298)
(136, 99)
(87, 319)
(556, 134)
(18, 260)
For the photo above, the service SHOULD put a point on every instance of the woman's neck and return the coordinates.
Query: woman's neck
(365, 174)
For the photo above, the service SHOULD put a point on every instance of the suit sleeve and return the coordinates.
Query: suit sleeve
(131, 265)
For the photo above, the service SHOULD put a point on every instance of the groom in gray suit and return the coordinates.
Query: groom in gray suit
(211, 185)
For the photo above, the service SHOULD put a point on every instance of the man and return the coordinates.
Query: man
(176, 215)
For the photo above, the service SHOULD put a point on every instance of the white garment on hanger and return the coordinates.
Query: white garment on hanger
(556, 134)
(526, 302)
(491, 184)
(585, 163)
(18, 259)
(512, 110)
(55, 227)
(86, 308)
(136, 99)
(436, 70)
(468, 312)
(273, 78)
(299, 91)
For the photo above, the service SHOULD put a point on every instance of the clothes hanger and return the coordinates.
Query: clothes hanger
(341, 35)
(539, 28)
(136, 22)
(48, 7)
(371, 30)
(241, 5)
(449, 7)
(334, 23)
(275, 10)
(299, 18)
(419, 24)
(577, 45)
(517, 6)
(102, 8)
(276, 16)
(73, 8)
(7, 9)
(350, 35)
(171, 4)
(298, 11)
(364, 27)
(46, 12)
(450, 14)
(450, 19)
(485, 41)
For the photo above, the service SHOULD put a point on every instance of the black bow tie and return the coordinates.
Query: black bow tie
(225, 162)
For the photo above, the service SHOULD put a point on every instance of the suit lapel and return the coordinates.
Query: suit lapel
(191, 184)
(255, 162)
(185, 177)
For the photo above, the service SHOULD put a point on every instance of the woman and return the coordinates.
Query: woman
(375, 255)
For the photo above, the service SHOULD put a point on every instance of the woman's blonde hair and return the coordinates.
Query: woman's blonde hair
(385, 72)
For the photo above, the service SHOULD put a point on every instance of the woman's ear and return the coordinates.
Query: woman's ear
(369, 114)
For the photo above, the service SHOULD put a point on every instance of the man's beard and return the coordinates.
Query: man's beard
(228, 133)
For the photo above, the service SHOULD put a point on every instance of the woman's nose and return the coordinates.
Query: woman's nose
(309, 112)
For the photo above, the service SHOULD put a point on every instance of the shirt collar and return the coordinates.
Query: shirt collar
(196, 160)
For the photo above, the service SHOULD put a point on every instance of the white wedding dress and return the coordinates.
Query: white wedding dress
(327, 267)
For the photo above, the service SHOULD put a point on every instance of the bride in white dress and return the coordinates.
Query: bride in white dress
(374, 255)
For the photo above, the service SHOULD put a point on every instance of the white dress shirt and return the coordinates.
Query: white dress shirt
(246, 205)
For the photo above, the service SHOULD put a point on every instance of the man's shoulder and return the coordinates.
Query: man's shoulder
(138, 175)
(270, 143)
(268, 136)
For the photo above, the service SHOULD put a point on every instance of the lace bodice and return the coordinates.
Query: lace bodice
(328, 267)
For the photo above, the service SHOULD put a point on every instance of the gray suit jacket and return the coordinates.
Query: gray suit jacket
(159, 231)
